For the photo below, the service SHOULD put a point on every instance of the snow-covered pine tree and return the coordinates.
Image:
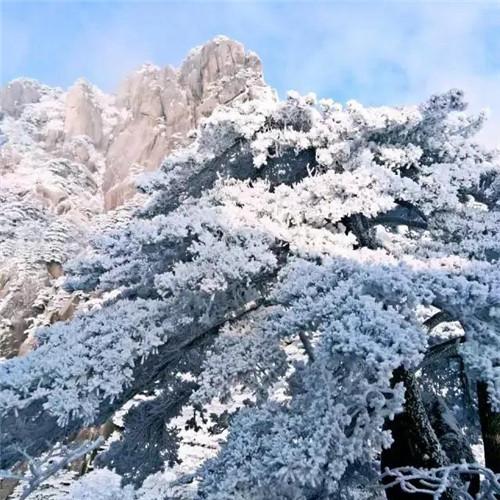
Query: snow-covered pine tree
(329, 273)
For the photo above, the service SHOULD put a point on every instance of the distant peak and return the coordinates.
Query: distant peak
(25, 81)
(222, 38)
(148, 67)
(82, 81)
(215, 42)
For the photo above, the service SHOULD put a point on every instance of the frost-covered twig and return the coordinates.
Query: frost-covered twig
(435, 482)
(42, 469)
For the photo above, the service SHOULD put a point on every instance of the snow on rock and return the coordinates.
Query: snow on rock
(68, 157)
(19, 92)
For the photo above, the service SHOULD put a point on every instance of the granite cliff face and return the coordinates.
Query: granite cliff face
(82, 114)
(68, 160)
(163, 105)
(50, 192)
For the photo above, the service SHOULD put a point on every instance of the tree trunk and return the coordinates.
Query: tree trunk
(415, 442)
(490, 428)
(452, 439)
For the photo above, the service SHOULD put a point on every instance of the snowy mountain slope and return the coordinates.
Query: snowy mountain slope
(49, 191)
(69, 157)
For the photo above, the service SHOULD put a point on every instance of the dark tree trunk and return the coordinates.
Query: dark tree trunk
(415, 442)
(490, 428)
(451, 438)
(360, 226)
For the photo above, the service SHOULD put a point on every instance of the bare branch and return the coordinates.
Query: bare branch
(397, 220)
(404, 214)
(307, 345)
(437, 319)
(41, 470)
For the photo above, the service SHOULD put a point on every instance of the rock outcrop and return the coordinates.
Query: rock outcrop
(163, 105)
(68, 158)
(16, 94)
(83, 116)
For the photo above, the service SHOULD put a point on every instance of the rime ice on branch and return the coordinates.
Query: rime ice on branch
(292, 259)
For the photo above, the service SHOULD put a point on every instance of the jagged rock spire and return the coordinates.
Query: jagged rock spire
(165, 104)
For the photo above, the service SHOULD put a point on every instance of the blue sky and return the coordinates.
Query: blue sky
(377, 52)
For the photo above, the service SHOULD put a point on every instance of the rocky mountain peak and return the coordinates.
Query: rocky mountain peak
(163, 104)
(220, 60)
